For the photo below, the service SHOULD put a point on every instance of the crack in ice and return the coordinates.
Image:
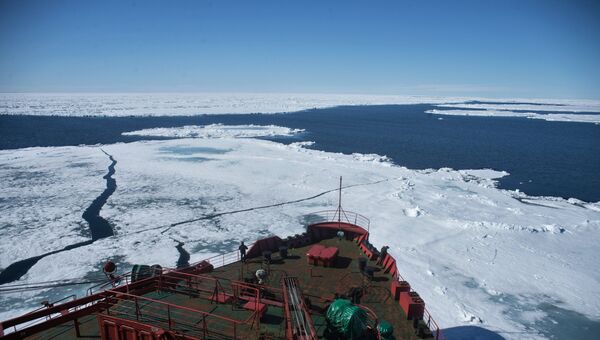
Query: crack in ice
(99, 229)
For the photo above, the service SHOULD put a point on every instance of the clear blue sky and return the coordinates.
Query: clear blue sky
(484, 48)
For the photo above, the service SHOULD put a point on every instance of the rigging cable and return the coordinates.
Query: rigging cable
(43, 285)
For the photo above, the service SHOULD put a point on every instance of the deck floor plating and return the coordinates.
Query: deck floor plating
(319, 284)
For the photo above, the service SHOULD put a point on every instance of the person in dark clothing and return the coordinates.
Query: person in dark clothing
(243, 249)
(383, 253)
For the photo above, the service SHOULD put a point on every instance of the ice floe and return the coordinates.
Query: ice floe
(186, 104)
(555, 117)
(216, 131)
(544, 106)
(474, 252)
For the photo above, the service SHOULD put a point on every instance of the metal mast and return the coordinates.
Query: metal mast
(339, 209)
(340, 204)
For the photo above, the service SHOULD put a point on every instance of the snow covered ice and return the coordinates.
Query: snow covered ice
(476, 254)
(578, 105)
(556, 117)
(217, 131)
(559, 111)
(186, 104)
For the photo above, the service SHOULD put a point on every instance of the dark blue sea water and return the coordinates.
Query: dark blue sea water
(543, 158)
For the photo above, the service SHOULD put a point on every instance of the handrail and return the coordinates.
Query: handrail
(223, 259)
(333, 216)
(325, 216)
(50, 304)
(216, 261)
(119, 296)
(155, 309)
(428, 318)
(46, 314)
(433, 326)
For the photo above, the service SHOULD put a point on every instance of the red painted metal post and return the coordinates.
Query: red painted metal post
(107, 305)
(137, 309)
(256, 309)
(169, 315)
(77, 332)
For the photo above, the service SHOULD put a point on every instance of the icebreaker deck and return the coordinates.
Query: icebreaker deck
(281, 290)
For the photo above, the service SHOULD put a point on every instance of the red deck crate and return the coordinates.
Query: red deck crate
(413, 305)
(313, 254)
(398, 287)
(328, 256)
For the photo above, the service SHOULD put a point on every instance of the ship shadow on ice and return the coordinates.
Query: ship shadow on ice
(470, 333)
(556, 321)
(184, 257)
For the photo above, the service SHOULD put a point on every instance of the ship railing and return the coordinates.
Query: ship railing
(427, 318)
(42, 318)
(207, 287)
(204, 284)
(101, 286)
(49, 313)
(124, 279)
(340, 215)
(343, 216)
(50, 304)
(129, 304)
(433, 326)
(121, 280)
(172, 317)
(224, 259)
(216, 261)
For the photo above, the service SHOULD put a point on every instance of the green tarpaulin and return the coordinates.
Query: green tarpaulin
(386, 330)
(140, 272)
(347, 319)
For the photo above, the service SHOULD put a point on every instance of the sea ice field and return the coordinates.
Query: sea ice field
(479, 256)
(185, 104)
(489, 262)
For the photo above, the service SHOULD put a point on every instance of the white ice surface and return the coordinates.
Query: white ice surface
(173, 104)
(549, 105)
(216, 131)
(463, 244)
(185, 104)
(557, 117)
(46, 198)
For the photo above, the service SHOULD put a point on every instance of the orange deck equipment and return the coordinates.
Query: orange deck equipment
(398, 287)
(314, 253)
(328, 256)
(413, 305)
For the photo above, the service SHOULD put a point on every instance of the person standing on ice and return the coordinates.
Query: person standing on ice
(243, 249)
